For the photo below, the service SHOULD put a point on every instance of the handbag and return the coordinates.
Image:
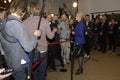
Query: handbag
(77, 50)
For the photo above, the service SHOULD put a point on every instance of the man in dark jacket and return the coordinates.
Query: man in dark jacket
(88, 35)
(103, 34)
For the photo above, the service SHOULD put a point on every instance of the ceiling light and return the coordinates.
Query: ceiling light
(74, 4)
(5, 1)
(9, 1)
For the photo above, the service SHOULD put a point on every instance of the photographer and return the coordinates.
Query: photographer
(3, 12)
(31, 24)
(15, 52)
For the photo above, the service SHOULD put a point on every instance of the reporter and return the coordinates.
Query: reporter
(4, 76)
(80, 39)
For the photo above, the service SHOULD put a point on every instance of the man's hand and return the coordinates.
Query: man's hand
(37, 33)
(101, 33)
(73, 32)
(4, 76)
(55, 29)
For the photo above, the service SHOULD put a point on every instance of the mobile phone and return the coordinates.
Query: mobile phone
(8, 70)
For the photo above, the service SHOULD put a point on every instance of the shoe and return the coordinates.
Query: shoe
(110, 51)
(95, 48)
(118, 54)
(113, 50)
(64, 62)
(88, 56)
(104, 51)
(85, 56)
(79, 71)
(52, 69)
(99, 49)
(68, 61)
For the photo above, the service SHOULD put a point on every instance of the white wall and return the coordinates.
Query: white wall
(90, 6)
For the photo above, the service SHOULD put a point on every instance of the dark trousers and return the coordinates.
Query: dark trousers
(95, 40)
(88, 45)
(54, 52)
(51, 56)
(118, 39)
(58, 53)
(103, 43)
(112, 42)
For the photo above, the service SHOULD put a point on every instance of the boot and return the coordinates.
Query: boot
(79, 71)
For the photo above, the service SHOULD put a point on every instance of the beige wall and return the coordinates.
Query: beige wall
(85, 6)
(90, 6)
(52, 6)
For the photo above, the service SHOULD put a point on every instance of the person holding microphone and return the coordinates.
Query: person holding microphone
(80, 41)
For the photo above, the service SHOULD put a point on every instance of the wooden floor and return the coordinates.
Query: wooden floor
(107, 67)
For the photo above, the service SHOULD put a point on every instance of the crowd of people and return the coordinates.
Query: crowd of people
(55, 37)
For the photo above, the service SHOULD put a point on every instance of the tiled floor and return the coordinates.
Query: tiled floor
(107, 67)
(99, 67)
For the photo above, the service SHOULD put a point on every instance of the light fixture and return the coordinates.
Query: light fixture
(9, 1)
(52, 15)
(5, 1)
(75, 4)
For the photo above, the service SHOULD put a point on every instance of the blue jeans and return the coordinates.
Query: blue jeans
(40, 71)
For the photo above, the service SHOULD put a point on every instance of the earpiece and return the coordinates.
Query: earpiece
(24, 10)
(25, 7)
